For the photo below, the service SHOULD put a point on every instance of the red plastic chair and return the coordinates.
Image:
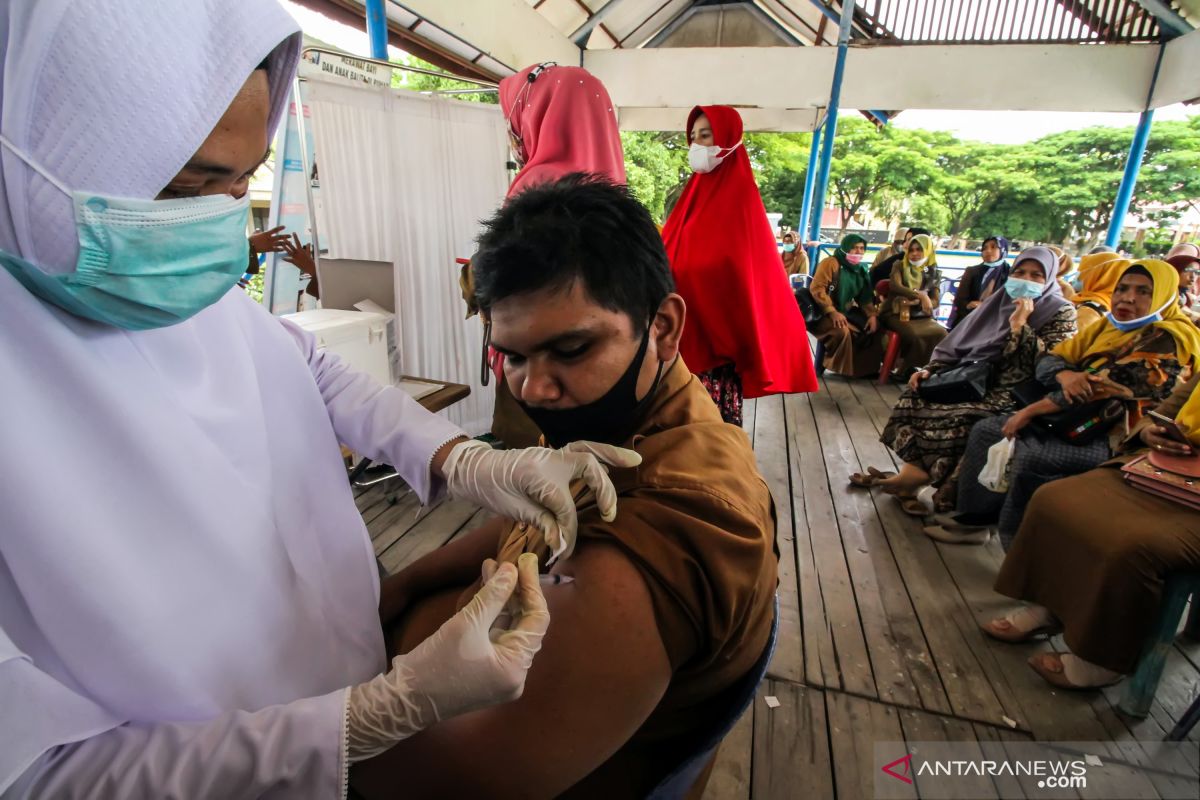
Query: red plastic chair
(882, 289)
(889, 357)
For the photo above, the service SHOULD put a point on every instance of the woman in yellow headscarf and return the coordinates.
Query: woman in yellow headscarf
(1134, 356)
(1087, 563)
(914, 290)
(1099, 273)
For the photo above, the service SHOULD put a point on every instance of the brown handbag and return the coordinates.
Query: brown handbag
(1173, 478)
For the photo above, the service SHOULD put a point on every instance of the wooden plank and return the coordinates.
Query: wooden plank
(431, 532)
(901, 663)
(1129, 735)
(396, 520)
(993, 743)
(856, 727)
(749, 408)
(834, 649)
(791, 743)
(922, 727)
(950, 629)
(771, 452)
(730, 778)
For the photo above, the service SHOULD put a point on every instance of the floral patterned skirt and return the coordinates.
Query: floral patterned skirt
(725, 388)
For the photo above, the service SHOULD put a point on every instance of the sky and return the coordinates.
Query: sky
(998, 127)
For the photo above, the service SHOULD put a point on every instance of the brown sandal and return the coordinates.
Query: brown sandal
(871, 478)
(1013, 635)
(1050, 666)
(912, 506)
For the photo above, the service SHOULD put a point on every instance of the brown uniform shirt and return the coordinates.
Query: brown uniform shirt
(697, 520)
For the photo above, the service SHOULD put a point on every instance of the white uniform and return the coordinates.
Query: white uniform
(186, 587)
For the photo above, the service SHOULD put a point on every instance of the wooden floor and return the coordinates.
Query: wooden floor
(879, 638)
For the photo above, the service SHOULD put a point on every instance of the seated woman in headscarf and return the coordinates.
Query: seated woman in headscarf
(1135, 356)
(1185, 258)
(795, 260)
(881, 269)
(979, 282)
(745, 335)
(1066, 271)
(1098, 276)
(850, 328)
(1108, 599)
(1009, 330)
(913, 294)
(560, 121)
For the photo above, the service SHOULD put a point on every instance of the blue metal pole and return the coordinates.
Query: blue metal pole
(831, 113)
(810, 178)
(1129, 180)
(377, 29)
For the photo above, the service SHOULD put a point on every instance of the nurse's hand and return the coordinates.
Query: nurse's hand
(473, 661)
(533, 485)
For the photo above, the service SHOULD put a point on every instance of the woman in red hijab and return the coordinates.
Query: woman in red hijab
(745, 335)
(560, 120)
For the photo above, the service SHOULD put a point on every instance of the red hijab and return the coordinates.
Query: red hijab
(566, 123)
(741, 308)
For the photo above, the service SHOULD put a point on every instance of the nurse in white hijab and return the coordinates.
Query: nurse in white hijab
(188, 596)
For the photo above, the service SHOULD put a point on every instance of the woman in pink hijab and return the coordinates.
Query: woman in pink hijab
(560, 120)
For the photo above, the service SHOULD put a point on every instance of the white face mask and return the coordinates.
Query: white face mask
(920, 262)
(705, 159)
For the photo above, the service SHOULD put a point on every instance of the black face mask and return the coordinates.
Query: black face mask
(610, 419)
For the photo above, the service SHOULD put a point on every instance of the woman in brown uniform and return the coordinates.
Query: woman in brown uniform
(849, 330)
(912, 296)
(1107, 600)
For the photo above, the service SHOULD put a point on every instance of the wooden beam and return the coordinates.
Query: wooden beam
(353, 14)
(509, 31)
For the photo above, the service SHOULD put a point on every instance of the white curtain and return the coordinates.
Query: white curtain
(406, 178)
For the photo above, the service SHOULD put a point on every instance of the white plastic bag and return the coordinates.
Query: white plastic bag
(994, 475)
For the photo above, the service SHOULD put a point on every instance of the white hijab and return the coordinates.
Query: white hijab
(115, 97)
(177, 536)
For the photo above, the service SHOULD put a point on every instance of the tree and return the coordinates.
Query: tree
(867, 162)
(656, 168)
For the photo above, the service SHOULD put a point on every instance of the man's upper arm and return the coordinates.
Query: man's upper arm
(601, 671)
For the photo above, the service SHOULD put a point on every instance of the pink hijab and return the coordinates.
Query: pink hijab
(566, 123)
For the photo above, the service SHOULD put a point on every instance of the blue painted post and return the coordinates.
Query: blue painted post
(831, 113)
(1129, 180)
(810, 178)
(377, 29)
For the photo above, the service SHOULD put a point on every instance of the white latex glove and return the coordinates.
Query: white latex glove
(466, 665)
(534, 485)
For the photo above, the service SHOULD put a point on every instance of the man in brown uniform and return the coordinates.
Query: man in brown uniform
(672, 601)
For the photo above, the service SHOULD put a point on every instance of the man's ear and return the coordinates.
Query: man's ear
(668, 326)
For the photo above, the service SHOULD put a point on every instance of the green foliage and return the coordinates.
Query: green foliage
(417, 82)
(656, 168)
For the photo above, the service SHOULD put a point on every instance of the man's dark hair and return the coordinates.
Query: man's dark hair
(580, 227)
(919, 231)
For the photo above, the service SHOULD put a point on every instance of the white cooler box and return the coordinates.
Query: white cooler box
(357, 337)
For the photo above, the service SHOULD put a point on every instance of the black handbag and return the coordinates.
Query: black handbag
(966, 383)
(809, 308)
(1076, 424)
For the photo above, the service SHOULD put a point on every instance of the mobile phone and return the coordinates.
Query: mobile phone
(1172, 427)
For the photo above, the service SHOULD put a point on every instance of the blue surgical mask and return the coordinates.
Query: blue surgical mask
(995, 263)
(789, 247)
(1019, 288)
(1141, 322)
(142, 263)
